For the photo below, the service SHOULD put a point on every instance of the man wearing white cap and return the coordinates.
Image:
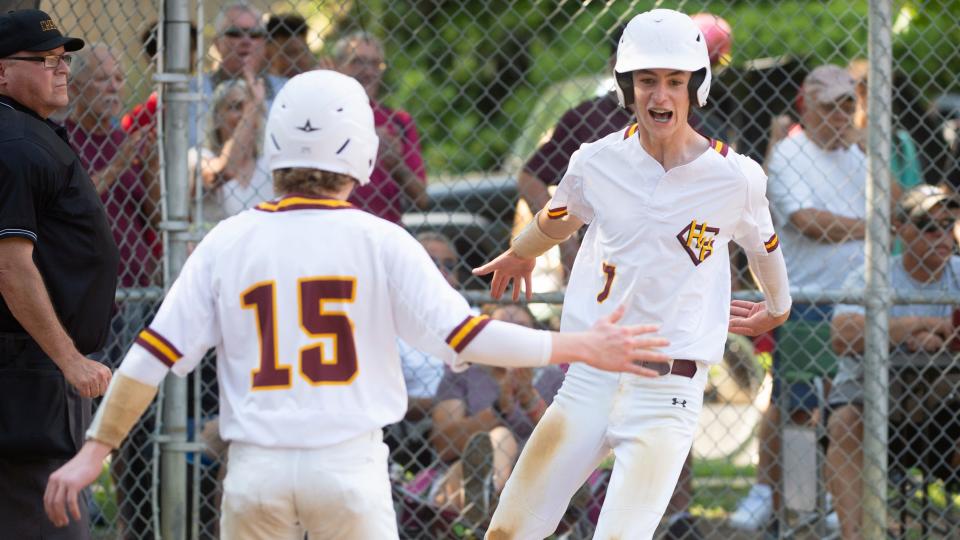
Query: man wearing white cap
(304, 298)
(662, 204)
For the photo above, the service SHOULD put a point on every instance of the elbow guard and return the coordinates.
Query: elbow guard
(124, 403)
(532, 241)
(770, 272)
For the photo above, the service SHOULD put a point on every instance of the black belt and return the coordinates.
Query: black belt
(681, 367)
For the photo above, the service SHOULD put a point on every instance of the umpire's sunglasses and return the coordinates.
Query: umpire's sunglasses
(239, 32)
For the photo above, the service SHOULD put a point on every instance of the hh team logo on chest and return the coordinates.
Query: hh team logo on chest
(697, 240)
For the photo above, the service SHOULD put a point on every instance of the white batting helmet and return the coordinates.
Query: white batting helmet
(322, 120)
(663, 39)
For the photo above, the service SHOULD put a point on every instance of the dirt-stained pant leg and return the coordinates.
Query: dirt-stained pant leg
(340, 492)
(651, 430)
(257, 495)
(345, 494)
(566, 446)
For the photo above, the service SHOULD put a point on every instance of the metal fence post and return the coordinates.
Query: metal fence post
(174, 77)
(878, 294)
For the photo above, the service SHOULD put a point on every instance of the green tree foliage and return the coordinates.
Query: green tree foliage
(470, 71)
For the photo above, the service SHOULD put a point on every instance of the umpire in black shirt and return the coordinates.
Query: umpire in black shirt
(58, 276)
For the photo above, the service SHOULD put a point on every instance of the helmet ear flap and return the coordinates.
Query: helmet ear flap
(624, 88)
(696, 79)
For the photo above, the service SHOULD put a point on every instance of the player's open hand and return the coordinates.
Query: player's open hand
(509, 268)
(622, 348)
(60, 499)
(752, 318)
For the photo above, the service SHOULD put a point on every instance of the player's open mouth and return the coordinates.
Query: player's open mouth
(660, 116)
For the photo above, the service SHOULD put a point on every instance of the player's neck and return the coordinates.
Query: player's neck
(676, 149)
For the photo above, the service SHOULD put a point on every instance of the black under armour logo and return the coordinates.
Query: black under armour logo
(307, 128)
(682, 403)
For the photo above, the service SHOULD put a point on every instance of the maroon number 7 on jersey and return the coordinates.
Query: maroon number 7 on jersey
(611, 272)
(338, 366)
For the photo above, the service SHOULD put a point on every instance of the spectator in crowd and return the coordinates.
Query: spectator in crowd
(714, 120)
(481, 419)
(817, 180)
(150, 43)
(913, 128)
(144, 114)
(584, 123)
(241, 43)
(58, 277)
(287, 51)
(925, 221)
(399, 177)
(123, 168)
(231, 166)
(422, 373)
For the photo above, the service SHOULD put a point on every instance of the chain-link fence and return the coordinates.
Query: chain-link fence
(479, 106)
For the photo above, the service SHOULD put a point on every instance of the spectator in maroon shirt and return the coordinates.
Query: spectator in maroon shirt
(399, 178)
(123, 168)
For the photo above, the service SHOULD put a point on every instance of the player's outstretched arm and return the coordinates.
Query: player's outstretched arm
(611, 347)
(60, 499)
(517, 263)
(752, 318)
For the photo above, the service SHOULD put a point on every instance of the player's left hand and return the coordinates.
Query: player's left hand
(507, 268)
(66, 483)
(752, 318)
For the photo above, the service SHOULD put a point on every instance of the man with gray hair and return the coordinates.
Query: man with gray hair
(817, 197)
(123, 168)
(241, 43)
(399, 178)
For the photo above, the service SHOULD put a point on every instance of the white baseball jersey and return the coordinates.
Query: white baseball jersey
(304, 299)
(659, 240)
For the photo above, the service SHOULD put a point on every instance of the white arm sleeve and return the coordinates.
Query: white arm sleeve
(755, 234)
(509, 345)
(770, 272)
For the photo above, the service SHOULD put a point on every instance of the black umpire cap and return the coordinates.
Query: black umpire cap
(32, 30)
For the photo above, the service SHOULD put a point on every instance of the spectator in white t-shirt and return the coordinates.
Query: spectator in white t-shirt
(816, 188)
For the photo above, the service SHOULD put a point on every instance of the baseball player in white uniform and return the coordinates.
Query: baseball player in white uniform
(662, 204)
(304, 298)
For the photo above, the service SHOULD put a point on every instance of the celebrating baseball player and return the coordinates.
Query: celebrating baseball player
(304, 298)
(662, 203)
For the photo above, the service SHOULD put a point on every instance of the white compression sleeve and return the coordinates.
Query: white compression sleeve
(509, 345)
(770, 272)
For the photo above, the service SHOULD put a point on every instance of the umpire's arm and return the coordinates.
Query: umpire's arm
(23, 290)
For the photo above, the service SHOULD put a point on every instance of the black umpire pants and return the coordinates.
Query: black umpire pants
(42, 423)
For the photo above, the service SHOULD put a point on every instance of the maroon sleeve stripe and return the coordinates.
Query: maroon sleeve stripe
(154, 351)
(163, 340)
(772, 243)
(472, 334)
(456, 329)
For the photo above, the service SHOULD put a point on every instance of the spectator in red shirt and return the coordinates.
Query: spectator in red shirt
(123, 168)
(399, 178)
